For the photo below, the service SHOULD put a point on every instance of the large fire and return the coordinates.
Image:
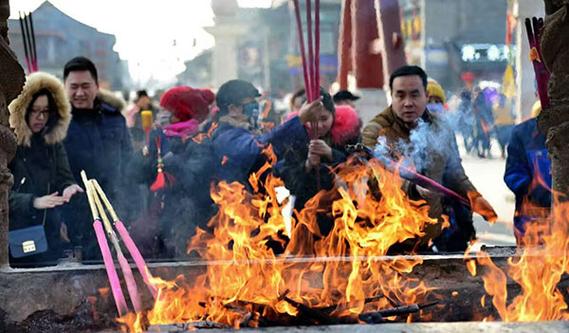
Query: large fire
(244, 274)
(343, 269)
(537, 270)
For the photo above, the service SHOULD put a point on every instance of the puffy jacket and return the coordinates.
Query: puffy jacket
(528, 173)
(99, 143)
(441, 163)
(239, 150)
(40, 166)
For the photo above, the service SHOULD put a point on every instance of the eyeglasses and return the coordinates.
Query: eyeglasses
(36, 113)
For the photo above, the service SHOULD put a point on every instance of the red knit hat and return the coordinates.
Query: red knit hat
(187, 103)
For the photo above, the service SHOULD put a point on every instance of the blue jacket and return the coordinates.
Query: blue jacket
(240, 151)
(528, 171)
(99, 143)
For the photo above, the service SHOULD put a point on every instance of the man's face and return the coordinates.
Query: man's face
(143, 102)
(81, 89)
(409, 98)
(238, 109)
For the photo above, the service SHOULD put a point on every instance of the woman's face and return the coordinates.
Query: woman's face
(39, 114)
(297, 103)
(325, 121)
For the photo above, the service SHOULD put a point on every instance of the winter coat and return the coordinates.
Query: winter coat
(187, 201)
(527, 163)
(239, 150)
(40, 166)
(440, 161)
(230, 152)
(175, 210)
(99, 143)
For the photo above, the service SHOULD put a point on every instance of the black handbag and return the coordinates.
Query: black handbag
(27, 241)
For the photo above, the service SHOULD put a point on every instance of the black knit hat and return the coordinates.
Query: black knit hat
(233, 92)
(343, 95)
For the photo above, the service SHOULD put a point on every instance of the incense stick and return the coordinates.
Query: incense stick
(123, 262)
(302, 49)
(112, 275)
(29, 42)
(316, 60)
(35, 66)
(310, 90)
(128, 241)
(26, 53)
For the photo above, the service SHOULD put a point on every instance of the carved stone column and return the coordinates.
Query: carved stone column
(226, 31)
(555, 120)
(11, 83)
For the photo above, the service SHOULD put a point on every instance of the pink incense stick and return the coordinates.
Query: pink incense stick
(129, 243)
(302, 49)
(430, 183)
(114, 281)
(136, 256)
(130, 283)
(316, 60)
(424, 181)
(123, 263)
(310, 90)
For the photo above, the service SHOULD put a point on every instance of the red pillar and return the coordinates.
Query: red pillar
(367, 64)
(345, 45)
(389, 25)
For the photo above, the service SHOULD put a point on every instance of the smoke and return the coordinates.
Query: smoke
(427, 141)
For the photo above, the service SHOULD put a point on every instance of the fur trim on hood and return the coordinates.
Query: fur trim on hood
(110, 98)
(34, 83)
(347, 125)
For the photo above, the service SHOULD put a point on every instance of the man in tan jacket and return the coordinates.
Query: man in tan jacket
(407, 131)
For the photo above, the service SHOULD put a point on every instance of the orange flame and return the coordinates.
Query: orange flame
(538, 271)
(343, 266)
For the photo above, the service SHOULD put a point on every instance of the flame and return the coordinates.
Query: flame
(537, 270)
(339, 268)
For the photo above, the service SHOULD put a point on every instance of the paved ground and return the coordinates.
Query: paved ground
(487, 175)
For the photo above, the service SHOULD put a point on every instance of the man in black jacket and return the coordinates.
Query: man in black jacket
(97, 142)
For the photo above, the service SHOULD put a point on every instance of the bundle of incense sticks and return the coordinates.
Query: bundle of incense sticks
(310, 66)
(100, 205)
(534, 27)
(29, 39)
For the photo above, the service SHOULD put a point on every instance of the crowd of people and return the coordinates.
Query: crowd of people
(485, 115)
(159, 176)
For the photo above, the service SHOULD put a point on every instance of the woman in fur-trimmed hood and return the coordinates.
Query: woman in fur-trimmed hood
(43, 181)
(57, 124)
(307, 170)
